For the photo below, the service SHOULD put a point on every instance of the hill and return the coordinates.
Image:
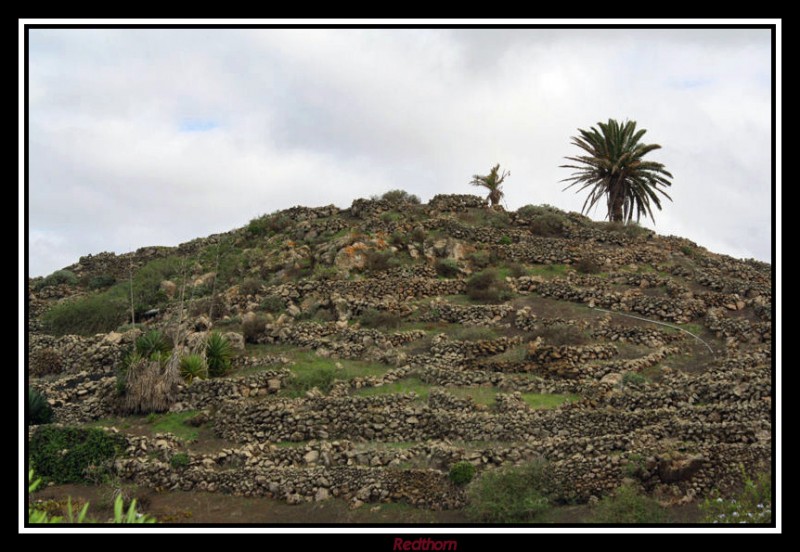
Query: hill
(378, 348)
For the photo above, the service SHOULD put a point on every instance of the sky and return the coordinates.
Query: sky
(142, 137)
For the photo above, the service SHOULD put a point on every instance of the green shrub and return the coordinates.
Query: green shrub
(273, 304)
(400, 196)
(107, 310)
(253, 328)
(179, 460)
(505, 240)
(633, 378)
(251, 286)
(447, 268)
(193, 367)
(753, 504)
(517, 270)
(627, 506)
(588, 265)
(39, 410)
(101, 281)
(462, 473)
(480, 258)
(214, 306)
(320, 377)
(58, 277)
(86, 315)
(71, 454)
(378, 261)
(373, 318)
(543, 220)
(487, 286)
(268, 225)
(418, 234)
(219, 353)
(510, 495)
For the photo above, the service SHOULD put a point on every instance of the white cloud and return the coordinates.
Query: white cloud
(291, 117)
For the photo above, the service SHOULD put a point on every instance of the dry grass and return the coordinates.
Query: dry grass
(151, 385)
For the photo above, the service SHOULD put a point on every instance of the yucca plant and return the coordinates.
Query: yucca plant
(193, 367)
(39, 410)
(218, 355)
(152, 342)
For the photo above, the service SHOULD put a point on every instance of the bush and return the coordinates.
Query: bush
(633, 378)
(193, 367)
(510, 495)
(487, 286)
(101, 281)
(268, 225)
(588, 265)
(58, 277)
(517, 270)
(378, 261)
(480, 258)
(753, 504)
(179, 460)
(505, 240)
(373, 318)
(543, 220)
(400, 196)
(273, 304)
(447, 268)
(39, 410)
(203, 306)
(70, 454)
(627, 506)
(107, 310)
(462, 473)
(418, 234)
(320, 377)
(218, 354)
(253, 328)
(251, 286)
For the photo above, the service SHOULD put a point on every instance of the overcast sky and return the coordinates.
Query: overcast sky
(155, 137)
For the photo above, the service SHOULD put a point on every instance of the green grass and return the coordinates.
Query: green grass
(459, 300)
(515, 354)
(696, 329)
(470, 333)
(540, 401)
(173, 422)
(548, 271)
(405, 385)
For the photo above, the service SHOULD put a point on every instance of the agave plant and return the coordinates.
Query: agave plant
(193, 367)
(151, 343)
(218, 354)
(39, 411)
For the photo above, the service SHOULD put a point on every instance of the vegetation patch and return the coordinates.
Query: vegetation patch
(73, 454)
(543, 401)
(517, 494)
(628, 506)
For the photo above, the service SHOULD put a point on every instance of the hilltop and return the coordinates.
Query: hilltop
(377, 349)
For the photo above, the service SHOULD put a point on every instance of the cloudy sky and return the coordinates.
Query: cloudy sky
(155, 137)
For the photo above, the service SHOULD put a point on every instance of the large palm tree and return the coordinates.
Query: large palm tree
(614, 168)
(492, 182)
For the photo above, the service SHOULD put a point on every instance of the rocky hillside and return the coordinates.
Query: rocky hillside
(378, 346)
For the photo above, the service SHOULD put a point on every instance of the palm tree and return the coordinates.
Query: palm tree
(492, 182)
(614, 168)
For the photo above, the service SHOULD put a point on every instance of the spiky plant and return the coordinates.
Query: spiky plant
(614, 169)
(218, 354)
(152, 342)
(39, 410)
(151, 384)
(193, 367)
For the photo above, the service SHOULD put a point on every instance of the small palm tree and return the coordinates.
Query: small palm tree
(492, 182)
(615, 168)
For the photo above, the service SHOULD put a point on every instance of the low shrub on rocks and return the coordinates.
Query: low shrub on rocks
(510, 495)
(487, 286)
(626, 506)
(462, 473)
(71, 454)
